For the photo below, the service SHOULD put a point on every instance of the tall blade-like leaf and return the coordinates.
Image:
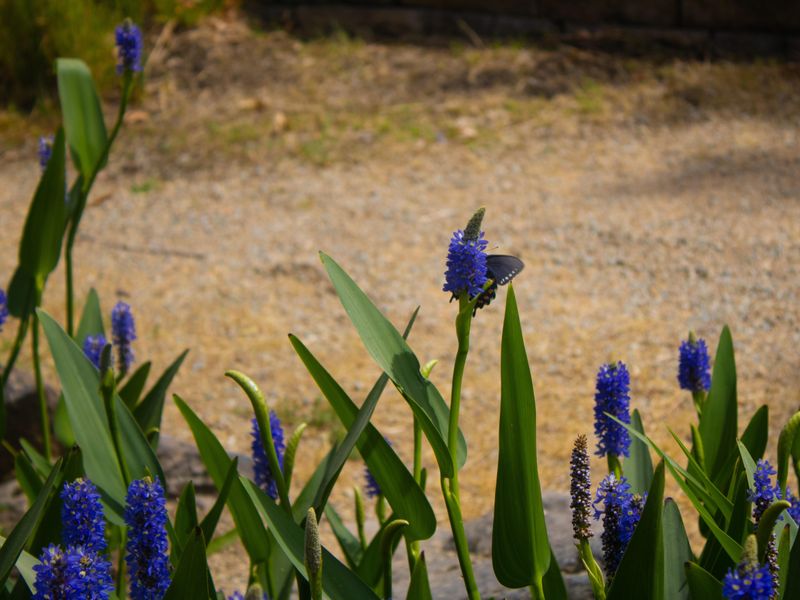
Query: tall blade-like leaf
(209, 522)
(186, 515)
(338, 583)
(12, 547)
(87, 416)
(419, 588)
(404, 495)
(520, 546)
(24, 565)
(83, 117)
(677, 552)
(638, 467)
(132, 390)
(191, 578)
(139, 454)
(148, 412)
(217, 462)
(40, 246)
(91, 322)
(553, 582)
(642, 565)
(718, 424)
(702, 584)
(348, 542)
(792, 589)
(388, 348)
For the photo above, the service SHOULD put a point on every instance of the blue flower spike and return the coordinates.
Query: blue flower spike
(612, 397)
(466, 260)
(621, 512)
(263, 474)
(694, 369)
(3, 309)
(147, 560)
(82, 516)
(45, 150)
(750, 580)
(123, 333)
(129, 48)
(93, 348)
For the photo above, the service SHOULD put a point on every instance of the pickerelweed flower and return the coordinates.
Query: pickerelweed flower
(93, 347)
(3, 309)
(263, 474)
(146, 517)
(88, 574)
(45, 150)
(794, 509)
(694, 366)
(621, 512)
(370, 485)
(765, 491)
(82, 516)
(129, 48)
(580, 490)
(466, 265)
(51, 577)
(748, 581)
(123, 332)
(612, 396)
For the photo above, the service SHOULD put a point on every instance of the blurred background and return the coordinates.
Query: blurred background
(641, 158)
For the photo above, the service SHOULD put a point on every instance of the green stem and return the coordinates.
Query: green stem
(460, 538)
(412, 548)
(537, 591)
(699, 399)
(121, 563)
(107, 388)
(44, 416)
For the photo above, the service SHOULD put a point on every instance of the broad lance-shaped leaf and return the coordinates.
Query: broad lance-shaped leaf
(83, 117)
(638, 467)
(148, 412)
(520, 546)
(25, 564)
(217, 462)
(786, 442)
(642, 565)
(338, 582)
(702, 584)
(718, 424)
(419, 588)
(397, 484)
(192, 578)
(388, 348)
(677, 552)
(91, 322)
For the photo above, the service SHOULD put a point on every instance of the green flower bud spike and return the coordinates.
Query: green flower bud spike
(360, 517)
(313, 555)
(473, 229)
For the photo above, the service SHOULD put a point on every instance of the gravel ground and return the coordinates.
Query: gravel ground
(638, 216)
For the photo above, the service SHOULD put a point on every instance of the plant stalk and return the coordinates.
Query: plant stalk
(44, 416)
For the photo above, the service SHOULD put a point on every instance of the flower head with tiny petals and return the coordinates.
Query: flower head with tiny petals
(612, 396)
(370, 484)
(3, 309)
(764, 492)
(580, 490)
(263, 474)
(129, 47)
(621, 512)
(88, 574)
(147, 561)
(123, 332)
(82, 516)
(693, 366)
(466, 265)
(93, 348)
(748, 582)
(51, 580)
(45, 150)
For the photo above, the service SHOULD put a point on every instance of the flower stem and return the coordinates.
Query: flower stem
(450, 488)
(44, 416)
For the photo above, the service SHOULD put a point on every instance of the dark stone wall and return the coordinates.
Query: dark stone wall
(762, 16)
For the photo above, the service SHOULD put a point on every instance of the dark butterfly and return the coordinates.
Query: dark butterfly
(500, 268)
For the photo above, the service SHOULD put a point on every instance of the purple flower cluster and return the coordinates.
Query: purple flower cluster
(466, 265)
(93, 348)
(621, 512)
(123, 332)
(3, 309)
(129, 48)
(45, 150)
(694, 366)
(580, 490)
(370, 485)
(612, 396)
(748, 582)
(147, 561)
(82, 516)
(263, 474)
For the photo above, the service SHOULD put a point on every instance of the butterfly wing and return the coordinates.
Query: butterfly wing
(503, 267)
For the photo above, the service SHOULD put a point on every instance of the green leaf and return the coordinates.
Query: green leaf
(748, 463)
(83, 117)
(702, 584)
(677, 552)
(217, 462)
(91, 319)
(351, 547)
(24, 565)
(291, 453)
(404, 495)
(13, 546)
(21, 294)
(132, 390)
(786, 442)
(766, 525)
(419, 588)
(388, 348)
(718, 424)
(642, 565)
(553, 582)
(638, 467)
(139, 454)
(27, 477)
(792, 589)
(192, 576)
(520, 546)
(338, 582)
(80, 385)
(210, 521)
(784, 549)
(40, 246)
(38, 460)
(186, 515)
(61, 426)
(148, 412)
(715, 558)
